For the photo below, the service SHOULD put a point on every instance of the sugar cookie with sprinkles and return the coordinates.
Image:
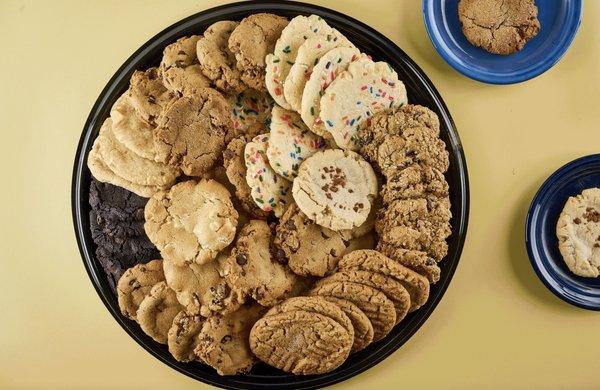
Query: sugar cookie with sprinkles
(355, 95)
(270, 191)
(251, 112)
(290, 142)
(286, 49)
(323, 73)
(308, 56)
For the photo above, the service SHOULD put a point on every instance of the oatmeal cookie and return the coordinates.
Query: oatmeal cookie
(335, 188)
(193, 132)
(135, 284)
(252, 268)
(418, 261)
(157, 311)
(415, 181)
(192, 221)
(499, 26)
(251, 41)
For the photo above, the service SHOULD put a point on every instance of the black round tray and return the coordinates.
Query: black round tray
(420, 91)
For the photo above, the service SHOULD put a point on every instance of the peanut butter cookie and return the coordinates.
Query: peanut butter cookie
(363, 329)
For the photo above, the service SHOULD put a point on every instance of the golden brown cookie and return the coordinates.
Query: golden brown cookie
(193, 132)
(252, 268)
(136, 283)
(181, 72)
(376, 306)
(309, 249)
(300, 342)
(363, 329)
(191, 222)
(223, 341)
(415, 181)
(251, 41)
(157, 311)
(418, 261)
(402, 137)
(392, 289)
(499, 26)
(233, 160)
(217, 61)
(315, 304)
(148, 95)
(370, 260)
(183, 336)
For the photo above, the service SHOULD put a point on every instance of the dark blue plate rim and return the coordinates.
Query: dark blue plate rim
(501, 79)
(556, 286)
(356, 363)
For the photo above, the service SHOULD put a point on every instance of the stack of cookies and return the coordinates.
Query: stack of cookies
(276, 158)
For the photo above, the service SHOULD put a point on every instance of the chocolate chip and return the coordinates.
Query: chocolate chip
(241, 259)
(226, 339)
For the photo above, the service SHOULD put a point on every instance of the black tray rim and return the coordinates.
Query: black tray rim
(450, 262)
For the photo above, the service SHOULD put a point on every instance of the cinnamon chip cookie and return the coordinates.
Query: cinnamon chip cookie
(216, 60)
(251, 41)
(223, 341)
(363, 329)
(252, 268)
(402, 137)
(308, 248)
(376, 306)
(499, 26)
(392, 289)
(235, 169)
(136, 283)
(157, 311)
(335, 188)
(183, 336)
(193, 132)
(370, 260)
(300, 342)
(578, 232)
(192, 221)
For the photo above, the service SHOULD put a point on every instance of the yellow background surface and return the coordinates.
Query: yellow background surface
(497, 325)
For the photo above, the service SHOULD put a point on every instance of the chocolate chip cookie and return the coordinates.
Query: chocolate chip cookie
(135, 285)
(157, 311)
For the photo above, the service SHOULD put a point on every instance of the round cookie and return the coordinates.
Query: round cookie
(253, 269)
(191, 222)
(250, 113)
(179, 66)
(367, 241)
(355, 95)
(300, 342)
(183, 336)
(290, 142)
(499, 26)
(314, 304)
(418, 261)
(414, 181)
(235, 169)
(370, 260)
(193, 132)
(215, 58)
(112, 162)
(223, 341)
(308, 248)
(251, 41)
(400, 138)
(324, 72)
(148, 95)
(280, 62)
(131, 130)
(269, 191)
(376, 306)
(157, 311)
(335, 188)
(392, 289)
(308, 56)
(578, 232)
(363, 329)
(135, 284)
(201, 288)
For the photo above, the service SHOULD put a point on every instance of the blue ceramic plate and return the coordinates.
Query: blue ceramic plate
(540, 232)
(559, 21)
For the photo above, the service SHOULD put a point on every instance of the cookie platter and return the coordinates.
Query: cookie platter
(352, 269)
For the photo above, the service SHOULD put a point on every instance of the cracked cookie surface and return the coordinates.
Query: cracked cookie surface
(499, 26)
